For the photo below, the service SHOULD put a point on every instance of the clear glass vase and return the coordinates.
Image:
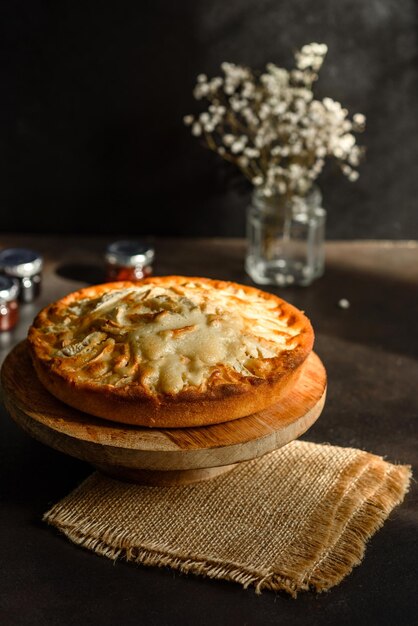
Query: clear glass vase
(285, 239)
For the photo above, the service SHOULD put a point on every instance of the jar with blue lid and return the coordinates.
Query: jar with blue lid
(25, 267)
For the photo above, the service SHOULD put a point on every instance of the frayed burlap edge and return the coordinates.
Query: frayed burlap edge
(362, 519)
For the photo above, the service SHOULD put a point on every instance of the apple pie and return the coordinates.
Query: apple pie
(169, 351)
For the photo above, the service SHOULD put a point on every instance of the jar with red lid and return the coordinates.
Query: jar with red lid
(128, 260)
(9, 310)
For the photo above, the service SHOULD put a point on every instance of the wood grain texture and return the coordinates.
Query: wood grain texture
(111, 445)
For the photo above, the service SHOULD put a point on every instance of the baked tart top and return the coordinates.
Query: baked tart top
(166, 336)
(169, 351)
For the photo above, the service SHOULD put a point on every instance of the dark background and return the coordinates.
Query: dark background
(93, 95)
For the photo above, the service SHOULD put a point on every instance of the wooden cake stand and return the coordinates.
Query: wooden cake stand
(158, 456)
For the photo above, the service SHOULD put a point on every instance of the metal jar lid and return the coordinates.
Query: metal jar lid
(129, 253)
(20, 262)
(9, 289)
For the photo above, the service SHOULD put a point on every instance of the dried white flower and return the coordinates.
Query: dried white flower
(201, 90)
(252, 153)
(271, 126)
(359, 118)
(311, 56)
(215, 83)
(228, 139)
(237, 146)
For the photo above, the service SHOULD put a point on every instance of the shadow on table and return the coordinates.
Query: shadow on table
(84, 272)
(383, 310)
(44, 475)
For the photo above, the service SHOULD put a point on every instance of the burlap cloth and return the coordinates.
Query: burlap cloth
(295, 519)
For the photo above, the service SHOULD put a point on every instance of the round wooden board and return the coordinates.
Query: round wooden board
(163, 456)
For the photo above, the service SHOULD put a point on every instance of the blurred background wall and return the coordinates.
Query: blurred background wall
(93, 95)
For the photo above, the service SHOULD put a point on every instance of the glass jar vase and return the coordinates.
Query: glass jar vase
(285, 239)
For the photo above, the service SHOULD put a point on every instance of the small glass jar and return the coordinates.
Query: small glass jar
(285, 239)
(25, 266)
(128, 260)
(9, 309)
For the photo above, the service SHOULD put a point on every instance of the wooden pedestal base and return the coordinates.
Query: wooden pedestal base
(159, 456)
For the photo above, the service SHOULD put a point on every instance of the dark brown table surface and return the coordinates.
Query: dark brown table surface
(370, 351)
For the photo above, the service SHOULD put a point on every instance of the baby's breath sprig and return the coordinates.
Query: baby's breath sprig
(272, 128)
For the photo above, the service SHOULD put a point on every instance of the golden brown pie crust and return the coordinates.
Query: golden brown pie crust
(169, 351)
